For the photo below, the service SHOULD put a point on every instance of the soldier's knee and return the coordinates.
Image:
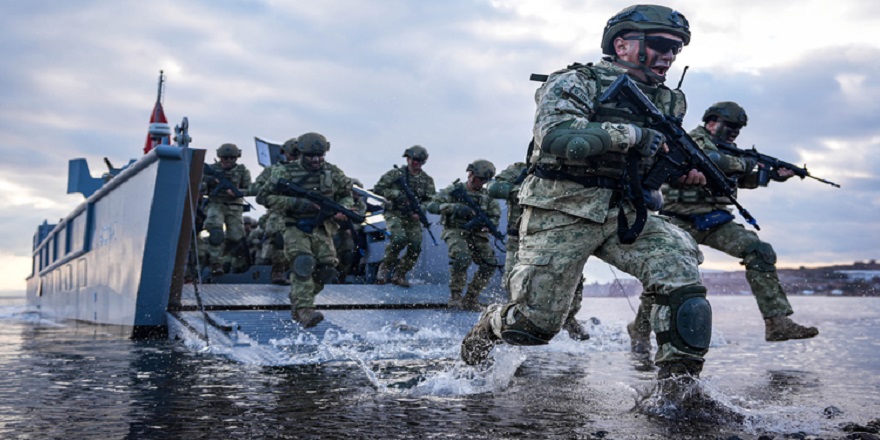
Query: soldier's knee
(690, 326)
(516, 329)
(216, 236)
(302, 265)
(460, 261)
(760, 256)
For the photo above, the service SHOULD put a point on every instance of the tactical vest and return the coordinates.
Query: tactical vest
(235, 175)
(417, 184)
(481, 197)
(320, 181)
(610, 164)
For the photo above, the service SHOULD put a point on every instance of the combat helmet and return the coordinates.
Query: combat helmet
(482, 168)
(312, 143)
(226, 150)
(645, 18)
(290, 147)
(416, 152)
(727, 111)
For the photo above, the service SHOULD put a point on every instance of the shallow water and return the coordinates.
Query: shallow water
(80, 382)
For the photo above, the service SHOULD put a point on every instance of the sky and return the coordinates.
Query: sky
(78, 79)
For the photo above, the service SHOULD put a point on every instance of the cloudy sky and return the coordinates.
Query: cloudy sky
(78, 79)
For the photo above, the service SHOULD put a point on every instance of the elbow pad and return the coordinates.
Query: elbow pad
(576, 144)
(500, 190)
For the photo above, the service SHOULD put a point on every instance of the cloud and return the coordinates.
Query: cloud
(79, 81)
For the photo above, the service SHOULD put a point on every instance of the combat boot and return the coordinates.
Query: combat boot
(308, 317)
(782, 328)
(478, 343)
(469, 302)
(639, 340)
(278, 274)
(382, 273)
(679, 368)
(399, 279)
(575, 330)
(455, 299)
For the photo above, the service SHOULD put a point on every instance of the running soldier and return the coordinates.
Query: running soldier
(308, 233)
(584, 151)
(467, 238)
(709, 221)
(402, 218)
(225, 207)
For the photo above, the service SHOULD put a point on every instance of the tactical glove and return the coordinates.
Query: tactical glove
(463, 212)
(648, 141)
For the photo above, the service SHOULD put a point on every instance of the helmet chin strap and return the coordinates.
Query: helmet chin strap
(642, 66)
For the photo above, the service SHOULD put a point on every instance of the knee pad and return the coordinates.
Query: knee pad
(690, 327)
(325, 273)
(302, 266)
(760, 256)
(216, 236)
(516, 329)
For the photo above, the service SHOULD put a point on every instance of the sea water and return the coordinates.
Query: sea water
(80, 381)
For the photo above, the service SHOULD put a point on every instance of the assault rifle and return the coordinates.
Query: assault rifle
(683, 154)
(480, 217)
(224, 184)
(327, 207)
(770, 164)
(414, 205)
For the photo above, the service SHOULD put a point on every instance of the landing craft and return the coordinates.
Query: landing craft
(119, 260)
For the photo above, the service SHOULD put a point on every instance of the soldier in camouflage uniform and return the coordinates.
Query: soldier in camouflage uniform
(574, 200)
(273, 227)
(346, 238)
(224, 208)
(506, 186)
(467, 245)
(401, 219)
(308, 236)
(710, 221)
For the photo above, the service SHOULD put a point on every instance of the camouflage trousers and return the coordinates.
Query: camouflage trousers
(307, 253)
(512, 246)
(466, 247)
(406, 233)
(734, 239)
(218, 215)
(272, 249)
(343, 241)
(554, 247)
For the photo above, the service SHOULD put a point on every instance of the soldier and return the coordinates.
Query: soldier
(506, 186)
(467, 245)
(224, 207)
(308, 236)
(401, 218)
(346, 238)
(582, 151)
(710, 222)
(273, 228)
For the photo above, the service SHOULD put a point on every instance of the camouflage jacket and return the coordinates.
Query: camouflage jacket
(570, 99)
(261, 180)
(329, 181)
(422, 186)
(687, 200)
(237, 175)
(445, 204)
